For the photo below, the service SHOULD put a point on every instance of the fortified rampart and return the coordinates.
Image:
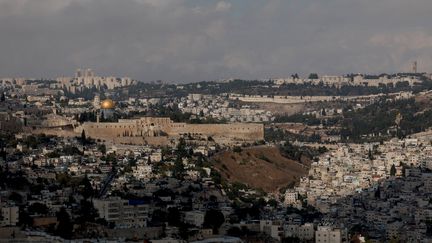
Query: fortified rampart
(238, 131)
(149, 127)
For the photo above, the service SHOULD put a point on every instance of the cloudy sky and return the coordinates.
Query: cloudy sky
(194, 40)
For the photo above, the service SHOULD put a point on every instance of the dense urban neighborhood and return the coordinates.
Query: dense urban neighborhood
(90, 158)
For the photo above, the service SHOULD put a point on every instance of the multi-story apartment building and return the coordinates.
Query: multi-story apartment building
(326, 234)
(123, 213)
(9, 216)
(87, 78)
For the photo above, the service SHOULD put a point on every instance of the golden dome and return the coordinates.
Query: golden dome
(107, 104)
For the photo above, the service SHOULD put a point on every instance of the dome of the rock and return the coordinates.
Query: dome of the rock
(107, 104)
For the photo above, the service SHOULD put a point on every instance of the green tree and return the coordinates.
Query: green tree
(87, 212)
(216, 177)
(178, 170)
(102, 148)
(313, 76)
(158, 217)
(65, 226)
(87, 189)
(83, 136)
(393, 170)
(370, 155)
(3, 154)
(181, 148)
(237, 149)
(38, 208)
(64, 179)
(272, 203)
(24, 219)
(173, 217)
(214, 219)
(16, 197)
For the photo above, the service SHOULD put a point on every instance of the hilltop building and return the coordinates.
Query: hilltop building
(87, 79)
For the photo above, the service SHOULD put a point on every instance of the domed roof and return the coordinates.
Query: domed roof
(107, 104)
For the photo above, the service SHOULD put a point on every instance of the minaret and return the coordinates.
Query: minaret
(414, 67)
(78, 73)
(96, 101)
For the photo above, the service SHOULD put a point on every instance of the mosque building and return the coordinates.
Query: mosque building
(107, 109)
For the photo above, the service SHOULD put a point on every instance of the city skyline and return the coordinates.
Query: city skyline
(174, 121)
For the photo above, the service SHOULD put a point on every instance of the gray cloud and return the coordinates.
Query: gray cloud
(192, 40)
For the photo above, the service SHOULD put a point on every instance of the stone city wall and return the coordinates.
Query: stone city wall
(163, 127)
(236, 131)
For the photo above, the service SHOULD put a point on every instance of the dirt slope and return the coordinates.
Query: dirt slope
(259, 167)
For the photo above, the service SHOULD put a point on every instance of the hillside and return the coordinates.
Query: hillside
(259, 167)
(379, 120)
